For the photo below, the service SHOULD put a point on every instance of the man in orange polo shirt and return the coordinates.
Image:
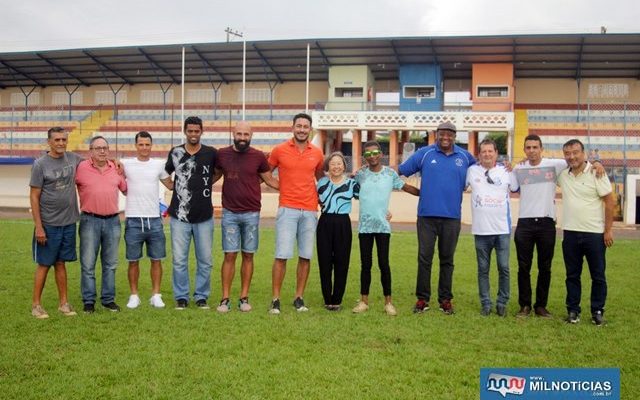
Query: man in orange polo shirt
(299, 163)
(98, 183)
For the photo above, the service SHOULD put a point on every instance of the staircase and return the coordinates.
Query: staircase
(84, 130)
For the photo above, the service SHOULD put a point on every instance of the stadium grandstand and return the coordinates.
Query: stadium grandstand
(563, 86)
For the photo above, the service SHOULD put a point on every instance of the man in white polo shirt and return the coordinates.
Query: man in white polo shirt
(587, 230)
(490, 186)
(143, 224)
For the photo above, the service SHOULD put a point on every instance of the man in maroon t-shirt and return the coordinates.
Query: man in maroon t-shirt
(243, 168)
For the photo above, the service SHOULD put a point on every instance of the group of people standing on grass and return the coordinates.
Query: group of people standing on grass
(306, 181)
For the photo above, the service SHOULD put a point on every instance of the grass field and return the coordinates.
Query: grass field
(195, 354)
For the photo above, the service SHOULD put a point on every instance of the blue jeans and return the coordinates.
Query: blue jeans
(575, 247)
(294, 224)
(484, 245)
(139, 231)
(181, 234)
(97, 234)
(240, 231)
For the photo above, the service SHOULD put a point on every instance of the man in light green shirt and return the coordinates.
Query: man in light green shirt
(587, 204)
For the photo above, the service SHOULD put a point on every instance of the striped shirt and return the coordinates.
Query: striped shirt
(336, 198)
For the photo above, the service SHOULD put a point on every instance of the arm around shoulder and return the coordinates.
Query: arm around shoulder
(411, 189)
(267, 177)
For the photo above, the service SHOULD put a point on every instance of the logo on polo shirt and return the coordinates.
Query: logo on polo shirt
(434, 162)
(459, 162)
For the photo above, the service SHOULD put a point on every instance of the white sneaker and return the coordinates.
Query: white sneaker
(224, 306)
(156, 301)
(134, 301)
(390, 309)
(360, 307)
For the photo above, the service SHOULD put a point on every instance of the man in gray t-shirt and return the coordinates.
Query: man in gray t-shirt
(54, 206)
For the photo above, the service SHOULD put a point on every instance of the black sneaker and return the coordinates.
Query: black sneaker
(298, 303)
(501, 310)
(181, 304)
(485, 311)
(597, 318)
(89, 308)
(113, 307)
(420, 307)
(275, 307)
(202, 304)
(573, 318)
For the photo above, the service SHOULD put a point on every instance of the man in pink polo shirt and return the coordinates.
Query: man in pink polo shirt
(98, 183)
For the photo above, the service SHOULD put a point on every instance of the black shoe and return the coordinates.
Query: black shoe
(181, 304)
(573, 318)
(275, 307)
(89, 308)
(501, 310)
(298, 303)
(113, 307)
(597, 318)
(202, 304)
(485, 311)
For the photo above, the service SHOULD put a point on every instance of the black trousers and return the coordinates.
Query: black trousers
(333, 243)
(576, 246)
(366, 260)
(538, 233)
(446, 232)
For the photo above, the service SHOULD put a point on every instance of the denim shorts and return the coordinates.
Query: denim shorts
(60, 245)
(140, 230)
(292, 224)
(240, 231)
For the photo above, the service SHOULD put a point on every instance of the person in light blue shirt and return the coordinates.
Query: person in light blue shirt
(443, 167)
(333, 235)
(376, 183)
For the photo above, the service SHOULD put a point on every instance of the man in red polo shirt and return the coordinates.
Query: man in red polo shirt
(299, 163)
(98, 184)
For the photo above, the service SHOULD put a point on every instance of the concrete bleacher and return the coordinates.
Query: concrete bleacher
(270, 127)
(610, 130)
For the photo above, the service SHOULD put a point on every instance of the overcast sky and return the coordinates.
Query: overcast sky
(28, 25)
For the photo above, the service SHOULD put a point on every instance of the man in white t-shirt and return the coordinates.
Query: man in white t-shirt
(537, 223)
(491, 212)
(143, 224)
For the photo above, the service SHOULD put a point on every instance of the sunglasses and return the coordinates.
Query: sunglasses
(489, 180)
(372, 153)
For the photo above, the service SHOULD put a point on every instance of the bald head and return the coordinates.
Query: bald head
(242, 136)
(242, 126)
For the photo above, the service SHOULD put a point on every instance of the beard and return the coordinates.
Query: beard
(241, 145)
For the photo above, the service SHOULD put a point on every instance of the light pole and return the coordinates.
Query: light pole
(230, 32)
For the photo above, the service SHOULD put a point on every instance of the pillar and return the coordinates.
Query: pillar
(338, 141)
(404, 138)
(473, 143)
(432, 137)
(356, 150)
(393, 149)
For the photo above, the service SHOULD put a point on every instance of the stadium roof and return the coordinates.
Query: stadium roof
(572, 56)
